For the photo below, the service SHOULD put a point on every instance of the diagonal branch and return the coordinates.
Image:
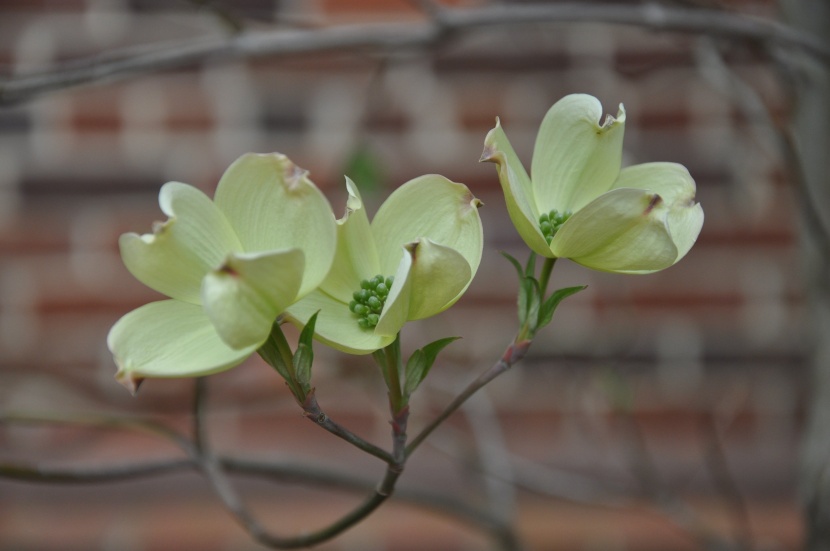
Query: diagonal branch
(89, 474)
(384, 39)
(97, 420)
(277, 471)
(212, 469)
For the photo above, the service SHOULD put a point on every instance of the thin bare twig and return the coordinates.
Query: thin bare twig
(98, 420)
(89, 474)
(385, 39)
(716, 460)
(201, 458)
(715, 71)
(513, 353)
(492, 454)
(212, 469)
(278, 471)
(678, 512)
(313, 412)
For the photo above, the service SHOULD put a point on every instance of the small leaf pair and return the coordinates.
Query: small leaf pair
(535, 311)
(294, 367)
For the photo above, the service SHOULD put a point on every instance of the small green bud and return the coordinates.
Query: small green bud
(369, 300)
(549, 223)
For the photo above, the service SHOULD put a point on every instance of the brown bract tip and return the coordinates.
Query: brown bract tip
(655, 200)
(228, 269)
(130, 381)
(412, 247)
(470, 202)
(488, 155)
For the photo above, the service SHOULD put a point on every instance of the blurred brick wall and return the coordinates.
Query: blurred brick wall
(719, 337)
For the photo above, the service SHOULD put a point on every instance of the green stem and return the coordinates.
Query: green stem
(392, 365)
(544, 277)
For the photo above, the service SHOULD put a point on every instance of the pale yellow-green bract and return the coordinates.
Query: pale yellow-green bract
(640, 219)
(427, 235)
(230, 266)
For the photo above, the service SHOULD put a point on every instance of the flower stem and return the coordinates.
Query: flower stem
(312, 411)
(391, 364)
(544, 276)
(514, 352)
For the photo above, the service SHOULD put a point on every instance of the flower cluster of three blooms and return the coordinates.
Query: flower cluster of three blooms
(269, 247)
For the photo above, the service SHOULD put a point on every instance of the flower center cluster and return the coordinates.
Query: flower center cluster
(369, 300)
(550, 223)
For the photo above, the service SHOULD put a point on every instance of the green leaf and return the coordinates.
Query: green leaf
(421, 361)
(303, 358)
(549, 306)
(304, 355)
(529, 292)
(416, 368)
(307, 334)
(515, 263)
(528, 301)
(271, 352)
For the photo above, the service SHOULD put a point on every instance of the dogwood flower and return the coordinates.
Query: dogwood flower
(415, 259)
(578, 204)
(230, 266)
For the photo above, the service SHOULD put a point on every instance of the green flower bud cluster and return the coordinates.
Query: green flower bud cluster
(369, 300)
(550, 223)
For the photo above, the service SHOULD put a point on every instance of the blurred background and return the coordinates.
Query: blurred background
(676, 411)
